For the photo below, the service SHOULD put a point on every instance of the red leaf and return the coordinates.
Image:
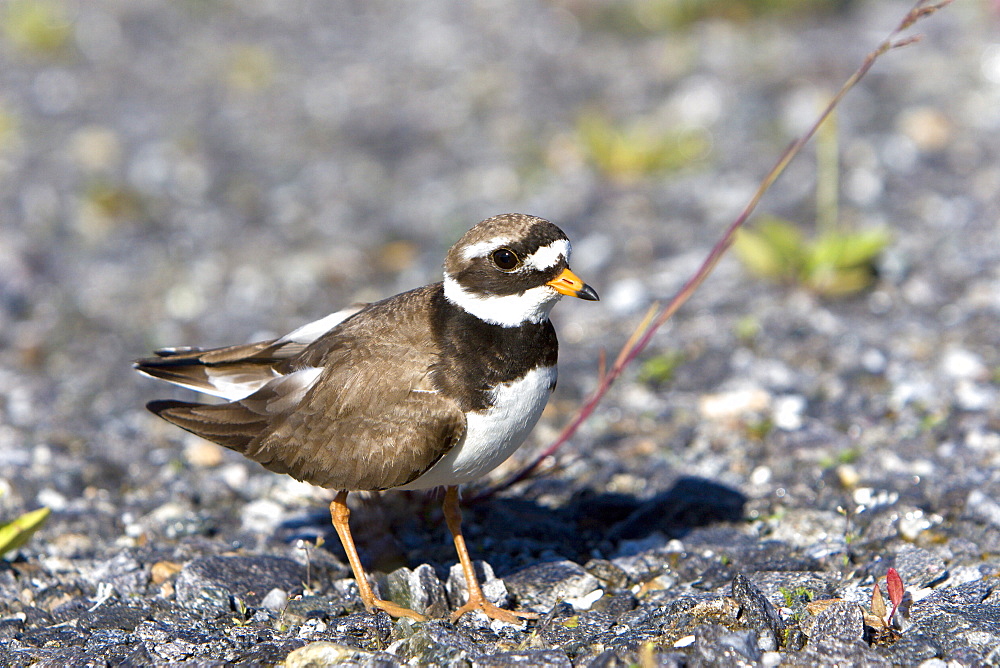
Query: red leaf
(894, 584)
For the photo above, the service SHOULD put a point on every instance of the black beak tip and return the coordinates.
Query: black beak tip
(588, 293)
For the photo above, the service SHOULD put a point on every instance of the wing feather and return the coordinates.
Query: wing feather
(356, 409)
(235, 372)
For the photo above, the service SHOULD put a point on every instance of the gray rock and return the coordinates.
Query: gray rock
(967, 593)
(573, 632)
(758, 613)
(983, 507)
(301, 608)
(716, 645)
(796, 588)
(418, 589)
(113, 616)
(275, 600)
(541, 586)
(952, 623)
(643, 567)
(123, 572)
(206, 584)
(369, 631)
(169, 642)
(841, 622)
(321, 654)
(919, 568)
(607, 572)
(206, 600)
(494, 589)
(437, 644)
(836, 638)
(541, 658)
(856, 654)
(113, 645)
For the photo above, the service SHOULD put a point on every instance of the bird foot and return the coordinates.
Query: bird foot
(395, 610)
(492, 611)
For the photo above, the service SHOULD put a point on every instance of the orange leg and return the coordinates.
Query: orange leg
(341, 516)
(453, 516)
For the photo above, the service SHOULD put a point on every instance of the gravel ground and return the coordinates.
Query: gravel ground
(209, 173)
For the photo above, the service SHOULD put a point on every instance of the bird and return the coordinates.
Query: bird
(433, 387)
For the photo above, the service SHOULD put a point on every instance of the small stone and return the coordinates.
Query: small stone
(162, 571)
(261, 516)
(543, 585)
(841, 622)
(203, 583)
(873, 361)
(493, 587)
(920, 568)
(716, 645)
(787, 412)
(437, 644)
(317, 654)
(123, 573)
(758, 613)
(963, 364)
(983, 508)
(586, 601)
(973, 397)
(206, 600)
(761, 475)
(418, 589)
(733, 405)
(626, 296)
(927, 127)
(275, 600)
(607, 572)
(202, 454)
(96, 148)
(302, 608)
(541, 658)
(312, 627)
(848, 476)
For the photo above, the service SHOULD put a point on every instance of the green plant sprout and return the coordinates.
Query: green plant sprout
(642, 148)
(19, 530)
(838, 262)
(658, 16)
(661, 369)
(36, 26)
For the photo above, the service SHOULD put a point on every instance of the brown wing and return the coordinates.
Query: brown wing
(225, 372)
(366, 416)
(234, 372)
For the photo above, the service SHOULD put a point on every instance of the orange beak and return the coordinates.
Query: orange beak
(570, 284)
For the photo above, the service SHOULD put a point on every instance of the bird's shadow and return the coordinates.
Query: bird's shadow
(407, 529)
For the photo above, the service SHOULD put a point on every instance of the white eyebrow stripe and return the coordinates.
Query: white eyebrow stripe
(549, 256)
(481, 248)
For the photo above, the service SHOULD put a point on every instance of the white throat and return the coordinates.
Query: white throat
(531, 305)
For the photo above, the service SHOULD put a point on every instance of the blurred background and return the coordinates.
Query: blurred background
(206, 173)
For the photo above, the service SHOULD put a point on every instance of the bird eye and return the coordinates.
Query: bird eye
(505, 259)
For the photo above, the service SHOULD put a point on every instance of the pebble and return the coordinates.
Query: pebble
(275, 600)
(735, 404)
(493, 587)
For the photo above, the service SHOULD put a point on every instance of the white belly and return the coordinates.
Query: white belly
(494, 434)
